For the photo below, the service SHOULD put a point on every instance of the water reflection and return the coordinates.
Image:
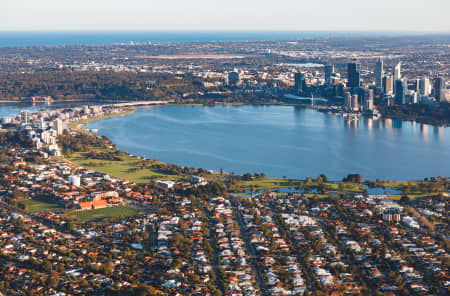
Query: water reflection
(393, 127)
(397, 124)
(351, 122)
(298, 113)
(369, 123)
(424, 131)
(438, 132)
(387, 123)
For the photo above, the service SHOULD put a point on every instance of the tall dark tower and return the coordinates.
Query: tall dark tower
(299, 82)
(329, 70)
(439, 89)
(353, 74)
(379, 73)
(400, 91)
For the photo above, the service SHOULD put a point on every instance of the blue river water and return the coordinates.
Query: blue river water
(281, 141)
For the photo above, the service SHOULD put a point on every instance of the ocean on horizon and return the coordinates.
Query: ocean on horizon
(62, 38)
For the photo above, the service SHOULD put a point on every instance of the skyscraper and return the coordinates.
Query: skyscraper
(59, 126)
(329, 70)
(25, 116)
(412, 97)
(353, 74)
(415, 85)
(299, 79)
(424, 86)
(388, 84)
(397, 71)
(379, 73)
(355, 105)
(400, 91)
(439, 89)
(368, 99)
(348, 100)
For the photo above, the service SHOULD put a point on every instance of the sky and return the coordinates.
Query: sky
(210, 15)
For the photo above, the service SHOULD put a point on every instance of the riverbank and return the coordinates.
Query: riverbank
(402, 113)
(146, 171)
(78, 124)
(141, 103)
(419, 113)
(280, 140)
(129, 167)
(139, 170)
(55, 101)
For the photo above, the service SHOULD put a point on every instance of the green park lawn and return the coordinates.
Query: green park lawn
(128, 168)
(414, 195)
(36, 206)
(268, 183)
(100, 214)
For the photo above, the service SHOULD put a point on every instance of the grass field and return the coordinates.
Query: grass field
(414, 196)
(268, 183)
(100, 214)
(129, 168)
(36, 206)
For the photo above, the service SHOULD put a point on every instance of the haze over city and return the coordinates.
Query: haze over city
(330, 15)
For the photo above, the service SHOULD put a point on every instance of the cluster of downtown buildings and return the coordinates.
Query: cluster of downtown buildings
(387, 90)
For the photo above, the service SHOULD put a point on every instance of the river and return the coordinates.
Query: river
(281, 141)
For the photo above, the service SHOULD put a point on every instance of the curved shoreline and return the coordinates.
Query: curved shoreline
(78, 124)
(265, 183)
(336, 175)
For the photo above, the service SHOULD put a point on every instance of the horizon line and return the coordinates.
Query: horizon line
(230, 30)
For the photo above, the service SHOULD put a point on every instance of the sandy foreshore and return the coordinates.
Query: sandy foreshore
(78, 124)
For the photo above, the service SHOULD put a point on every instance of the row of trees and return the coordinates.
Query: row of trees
(15, 139)
(420, 112)
(82, 142)
(104, 155)
(105, 85)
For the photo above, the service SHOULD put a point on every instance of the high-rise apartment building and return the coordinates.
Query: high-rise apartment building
(424, 86)
(368, 99)
(58, 126)
(400, 91)
(439, 89)
(379, 73)
(329, 70)
(355, 104)
(299, 79)
(353, 74)
(397, 71)
(388, 84)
